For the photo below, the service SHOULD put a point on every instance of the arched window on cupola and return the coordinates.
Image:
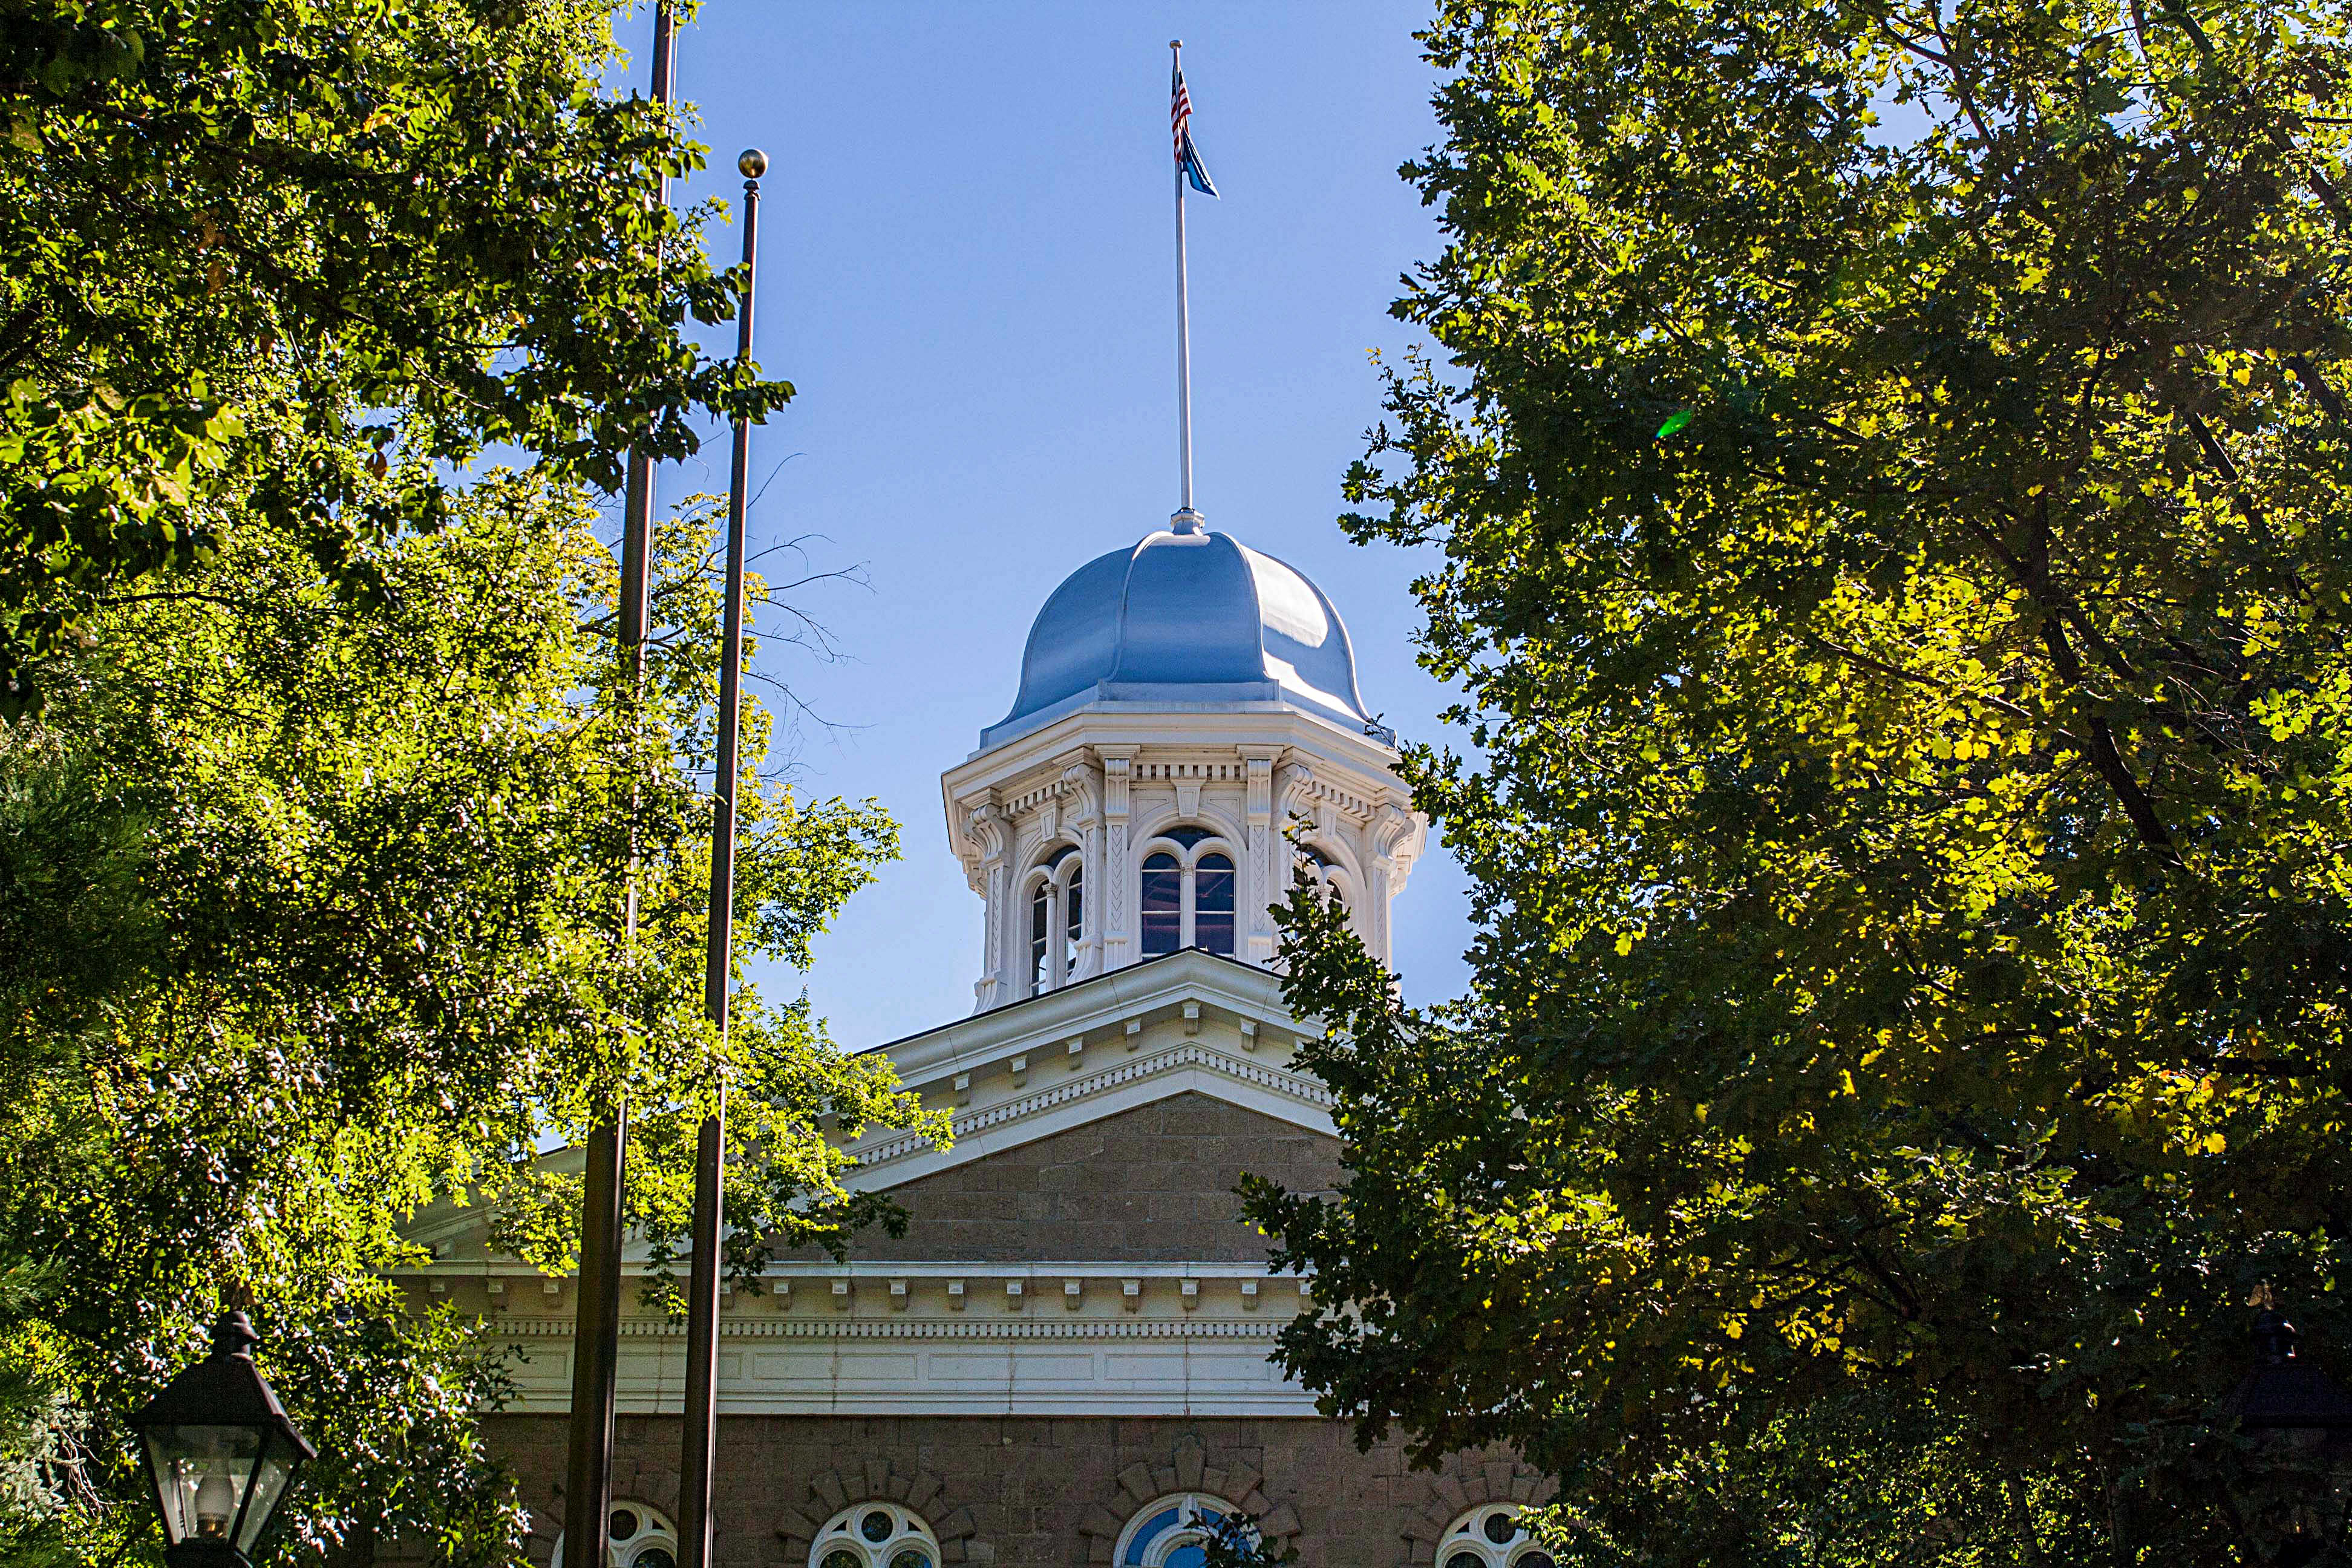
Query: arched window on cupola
(1317, 870)
(1056, 920)
(1187, 892)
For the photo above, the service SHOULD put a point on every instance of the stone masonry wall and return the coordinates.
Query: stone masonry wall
(1029, 1492)
(1154, 1183)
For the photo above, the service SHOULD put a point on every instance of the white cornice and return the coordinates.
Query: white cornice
(1103, 1003)
(1174, 724)
(910, 1328)
(1286, 1096)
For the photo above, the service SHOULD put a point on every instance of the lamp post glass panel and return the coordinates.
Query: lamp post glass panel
(219, 1453)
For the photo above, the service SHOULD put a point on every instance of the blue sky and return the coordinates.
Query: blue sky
(967, 271)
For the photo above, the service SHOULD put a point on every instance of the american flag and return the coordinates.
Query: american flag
(1180, 114)
(1179, 126)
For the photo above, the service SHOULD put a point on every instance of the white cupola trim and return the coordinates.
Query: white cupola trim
(1178, 827)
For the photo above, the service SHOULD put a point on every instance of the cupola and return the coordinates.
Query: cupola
(1187, 742)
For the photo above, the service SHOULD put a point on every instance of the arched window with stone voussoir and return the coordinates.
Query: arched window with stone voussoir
(1172, 1532)
(635, 1536)
(1491, 1536)
(875, 1535)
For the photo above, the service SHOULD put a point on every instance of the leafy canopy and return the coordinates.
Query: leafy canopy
(297, 258)
(310, 913)
(1890, 464)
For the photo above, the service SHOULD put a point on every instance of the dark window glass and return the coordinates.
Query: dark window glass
(1059, 855)
(1212, 904)
(1188, 836)
(877, 1526)
(1163, 905)
(1041, 928)
(1074, 921)
(1501, 1528)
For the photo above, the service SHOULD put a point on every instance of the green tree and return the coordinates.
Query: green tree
(296, 258)
(1234, 1541)
(309, 913)
(1890, 469)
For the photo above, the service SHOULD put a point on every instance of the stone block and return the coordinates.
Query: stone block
(1190, 1462)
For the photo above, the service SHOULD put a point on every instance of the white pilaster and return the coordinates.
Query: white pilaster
(1118, 903)
(1261, 882)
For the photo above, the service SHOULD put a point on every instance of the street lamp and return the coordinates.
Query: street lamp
(2299, 1416)
(219, 1453)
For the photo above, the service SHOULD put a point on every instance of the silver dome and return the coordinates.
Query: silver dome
(1185, 619)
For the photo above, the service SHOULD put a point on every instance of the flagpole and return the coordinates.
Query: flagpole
(1186, 518)
(707, 1261)
(596, 1329)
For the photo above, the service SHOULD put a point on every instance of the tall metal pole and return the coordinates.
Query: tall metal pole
(596, 1326)
(637, 539)
(1183, 332)
(706, 1264)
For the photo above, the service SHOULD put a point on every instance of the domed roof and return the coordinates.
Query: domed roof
(1187, 616)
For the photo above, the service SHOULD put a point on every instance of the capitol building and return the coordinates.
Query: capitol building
(1064, 1360)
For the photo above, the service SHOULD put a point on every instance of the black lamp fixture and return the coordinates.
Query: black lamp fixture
(219, 1452)
(2290, 1407)
(2283, 1393)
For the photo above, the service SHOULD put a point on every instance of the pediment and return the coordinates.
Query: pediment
(1190, 1024)
(1191, 1028)
(1155, 1183)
